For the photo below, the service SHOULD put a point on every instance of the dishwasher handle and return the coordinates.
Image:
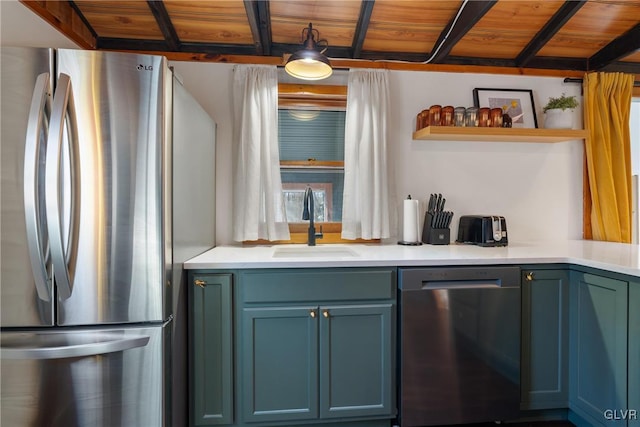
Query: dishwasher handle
(460, 284)
(458, 277)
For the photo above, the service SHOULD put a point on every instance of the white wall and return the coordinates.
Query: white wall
(536, 186)
(21, 27)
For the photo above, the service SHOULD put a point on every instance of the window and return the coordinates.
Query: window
(311, 122)
(312, 154)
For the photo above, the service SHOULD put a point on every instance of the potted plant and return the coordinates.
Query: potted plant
(558, 113)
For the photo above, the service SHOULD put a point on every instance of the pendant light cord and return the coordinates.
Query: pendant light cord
(446, 36)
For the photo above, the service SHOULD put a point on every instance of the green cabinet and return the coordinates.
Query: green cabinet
(316, 345)
(279, 363)
(545, 339)
(634, 353)
(355, 360)
(598, 339)
(210, 367)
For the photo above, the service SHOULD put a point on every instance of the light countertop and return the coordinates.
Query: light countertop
(615, 257)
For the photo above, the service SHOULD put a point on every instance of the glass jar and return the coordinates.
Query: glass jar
(458, 116)
(471, 117)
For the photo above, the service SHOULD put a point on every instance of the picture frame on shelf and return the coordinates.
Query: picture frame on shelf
(518, 102)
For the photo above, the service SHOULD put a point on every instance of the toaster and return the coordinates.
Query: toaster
(482, 230)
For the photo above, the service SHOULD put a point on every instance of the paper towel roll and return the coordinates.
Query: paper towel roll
(410, 223)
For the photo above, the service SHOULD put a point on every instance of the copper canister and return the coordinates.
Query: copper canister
(435, 112)
(422, 119)
(496, 117)
(484, 117)
(446, 117)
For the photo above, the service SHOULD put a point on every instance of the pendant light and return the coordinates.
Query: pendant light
(309, 63)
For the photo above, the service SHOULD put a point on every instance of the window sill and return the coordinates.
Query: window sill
(298, 232)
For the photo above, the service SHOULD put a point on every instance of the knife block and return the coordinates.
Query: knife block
(434, 236)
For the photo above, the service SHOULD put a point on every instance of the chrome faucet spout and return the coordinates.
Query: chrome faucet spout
(308, 214)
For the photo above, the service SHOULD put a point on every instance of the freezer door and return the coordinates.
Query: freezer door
(25, 78)
(116, 240)
(101, 378)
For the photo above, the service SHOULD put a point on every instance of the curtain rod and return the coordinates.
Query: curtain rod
(574, 80)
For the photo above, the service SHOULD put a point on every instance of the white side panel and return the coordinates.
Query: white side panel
(194, 136)
(194, 151)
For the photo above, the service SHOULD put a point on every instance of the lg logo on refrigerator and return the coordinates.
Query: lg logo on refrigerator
(145, 67)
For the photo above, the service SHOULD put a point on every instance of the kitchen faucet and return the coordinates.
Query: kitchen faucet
(307, 213)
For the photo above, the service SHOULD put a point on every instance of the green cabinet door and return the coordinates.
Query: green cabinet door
(634, 354)
(210, 369)
(356, 352)
(545, 339)
(598, 340)
(280, 363)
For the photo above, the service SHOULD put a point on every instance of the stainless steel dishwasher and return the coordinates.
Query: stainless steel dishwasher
(459, 333)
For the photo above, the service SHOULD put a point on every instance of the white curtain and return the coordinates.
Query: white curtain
(368, 210)
(259, 211)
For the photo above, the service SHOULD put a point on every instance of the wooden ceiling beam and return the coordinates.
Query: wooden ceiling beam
(164, 22)
(366, 9)
(624, 45)
(340, 56)
(346, 63)
(64, 18)
(211, 50)
(472, 12)
(623, 67)
(259, 16)
(562, 15)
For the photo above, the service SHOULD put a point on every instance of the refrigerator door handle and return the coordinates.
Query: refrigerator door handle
(38, 114)
(63, 107)
(96, 344)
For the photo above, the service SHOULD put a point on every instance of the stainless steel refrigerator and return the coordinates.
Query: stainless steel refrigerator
(107, 187)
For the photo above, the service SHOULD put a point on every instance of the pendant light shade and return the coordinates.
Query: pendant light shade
(310, 63)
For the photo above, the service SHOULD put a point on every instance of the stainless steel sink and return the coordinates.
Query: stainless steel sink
(314, 252)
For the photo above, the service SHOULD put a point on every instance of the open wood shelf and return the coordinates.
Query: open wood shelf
(490, 134)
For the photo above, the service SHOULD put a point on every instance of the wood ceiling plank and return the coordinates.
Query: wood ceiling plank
(634, 57)
(414, 40)
(121, 19)
(335, 20)
(506, 29)
(222, 22)
(594, 26)
(336, 35)
(408, 26)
